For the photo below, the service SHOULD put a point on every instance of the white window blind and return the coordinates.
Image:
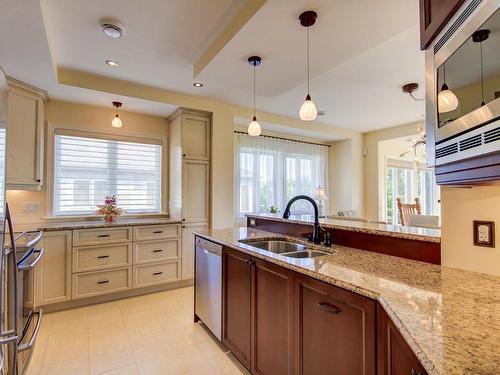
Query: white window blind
(87, 169)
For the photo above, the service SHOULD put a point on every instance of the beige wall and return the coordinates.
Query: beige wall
(459, 207)
(346, 176)
(222, 174)
(372, 165)
(88, 117)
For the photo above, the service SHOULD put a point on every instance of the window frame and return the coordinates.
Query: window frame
(107, 134)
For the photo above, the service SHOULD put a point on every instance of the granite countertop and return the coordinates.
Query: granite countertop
(89, 224)
(399, 231)
(449, 317)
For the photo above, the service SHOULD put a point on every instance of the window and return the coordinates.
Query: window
(271, 171)
(87, 169)
(407, 181)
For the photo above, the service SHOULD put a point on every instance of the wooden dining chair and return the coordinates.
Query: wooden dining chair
(407, 209)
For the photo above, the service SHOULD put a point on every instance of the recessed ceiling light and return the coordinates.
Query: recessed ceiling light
(112, 63)
(112, 28)
(198, 84)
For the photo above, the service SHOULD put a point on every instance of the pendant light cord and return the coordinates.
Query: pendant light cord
(308, 61)
(444, 73)
(254, 89)
(482, 74)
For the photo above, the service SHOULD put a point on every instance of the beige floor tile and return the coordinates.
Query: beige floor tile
(110, 350)
(146, 335)
(157, 357)
(65, 347)
(107, 320)
(127, 370)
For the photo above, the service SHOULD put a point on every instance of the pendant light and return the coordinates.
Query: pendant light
(308, 110)
(254, 127)
(447, 100)
(480, 36)
(117, 122)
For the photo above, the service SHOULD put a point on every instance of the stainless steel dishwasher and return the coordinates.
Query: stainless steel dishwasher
(208, 286)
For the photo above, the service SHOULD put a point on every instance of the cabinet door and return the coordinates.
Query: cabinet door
(188, 248)
(434, 14)
(395, 357)
(195, 136)
(195, 188)
(53, 273)
(272, 293)
(334, 330)
(24, 141)
(236, 279)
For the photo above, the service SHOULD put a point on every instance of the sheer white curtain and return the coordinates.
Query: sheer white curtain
(270, 171)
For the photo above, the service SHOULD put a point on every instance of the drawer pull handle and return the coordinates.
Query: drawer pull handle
(157, 251)
(103, 282)
(329, 308)
(103, 256)
(103, 235)
(158, 232)
(415, 372)
(157, 273)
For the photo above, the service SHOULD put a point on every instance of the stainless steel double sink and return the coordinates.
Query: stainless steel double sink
(285, 248)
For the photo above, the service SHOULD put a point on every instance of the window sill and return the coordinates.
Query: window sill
(100, 217)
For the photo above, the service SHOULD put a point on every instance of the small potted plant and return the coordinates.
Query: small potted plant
(273, 209)
(109, 209)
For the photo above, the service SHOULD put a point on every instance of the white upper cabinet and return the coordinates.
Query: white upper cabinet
(190, 165)
(195, 136)
(25, 124)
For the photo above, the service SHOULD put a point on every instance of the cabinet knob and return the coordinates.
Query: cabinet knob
(38, 180)
(183, 219)
(183, 155)
(415, 372)
(183, 226)
(249, 261)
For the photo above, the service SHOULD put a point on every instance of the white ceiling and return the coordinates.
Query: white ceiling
(362, 51)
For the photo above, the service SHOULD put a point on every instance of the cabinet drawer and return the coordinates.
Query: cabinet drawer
(95, 258)
(156, 232)
(84, 237)
(101, 282)
(156, 274)
(154, 251)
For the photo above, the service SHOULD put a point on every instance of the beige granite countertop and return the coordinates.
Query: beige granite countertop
(89, 224)
(412, 233)
(449, 317)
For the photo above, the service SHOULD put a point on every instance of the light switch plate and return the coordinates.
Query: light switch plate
(484, 233)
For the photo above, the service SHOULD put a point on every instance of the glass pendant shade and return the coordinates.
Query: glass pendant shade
(254, 128)
(117, 122)
(308, 111)
(447, 100)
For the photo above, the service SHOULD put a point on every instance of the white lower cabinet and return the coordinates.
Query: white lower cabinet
(156, 274)
(53, 273)
(188, 247)
(85, 263)
(91, 284)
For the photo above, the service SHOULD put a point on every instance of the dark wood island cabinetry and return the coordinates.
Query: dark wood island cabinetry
(278, 321)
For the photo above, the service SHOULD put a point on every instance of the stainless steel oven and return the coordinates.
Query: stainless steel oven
(20, 321)
(463, 85)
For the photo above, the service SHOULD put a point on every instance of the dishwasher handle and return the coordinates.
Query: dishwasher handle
(208, 247)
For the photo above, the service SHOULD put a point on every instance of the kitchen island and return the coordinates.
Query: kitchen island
(448, 317)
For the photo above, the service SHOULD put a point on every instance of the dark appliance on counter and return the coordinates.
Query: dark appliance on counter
(462, 106)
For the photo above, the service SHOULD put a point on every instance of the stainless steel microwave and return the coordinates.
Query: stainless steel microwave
(463, 85)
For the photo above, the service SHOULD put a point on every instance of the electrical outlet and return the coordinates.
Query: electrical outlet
(484, 233)
(30, 207)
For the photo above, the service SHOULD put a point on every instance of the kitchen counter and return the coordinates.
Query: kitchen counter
(90, 224)
(399, 231)
(449, 317)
